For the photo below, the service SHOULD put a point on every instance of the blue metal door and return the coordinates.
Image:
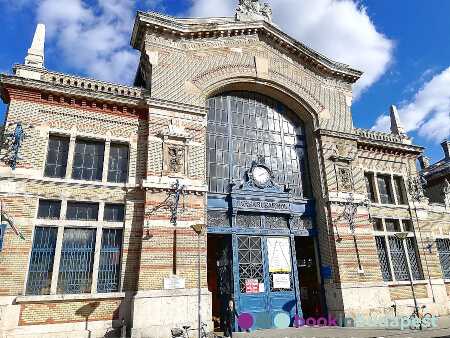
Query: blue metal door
(263, 284)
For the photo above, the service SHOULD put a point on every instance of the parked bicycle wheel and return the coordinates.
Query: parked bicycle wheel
(213, 335)
(427, 317)
(411, 325)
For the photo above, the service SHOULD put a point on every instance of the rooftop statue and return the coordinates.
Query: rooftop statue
(251, 10)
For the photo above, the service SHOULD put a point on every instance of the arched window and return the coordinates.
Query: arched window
(254, 127)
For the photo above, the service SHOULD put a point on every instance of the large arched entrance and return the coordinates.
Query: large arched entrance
(262, 248)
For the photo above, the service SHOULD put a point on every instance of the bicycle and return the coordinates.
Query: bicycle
(419, 314)
(184, 332)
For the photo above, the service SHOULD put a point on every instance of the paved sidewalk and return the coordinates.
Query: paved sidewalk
(442, 330)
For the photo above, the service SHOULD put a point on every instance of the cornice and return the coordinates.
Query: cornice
(195, 29)
(336, 134)
(75, 91)
(384, 140)
(175, 106)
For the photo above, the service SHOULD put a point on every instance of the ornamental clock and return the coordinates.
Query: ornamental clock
(260, 176)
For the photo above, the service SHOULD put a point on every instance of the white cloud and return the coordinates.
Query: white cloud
(338, 29)
(428, 112)
(93, 38)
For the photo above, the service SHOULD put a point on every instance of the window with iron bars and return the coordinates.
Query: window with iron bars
(391, 251)
(443, 248)
(76, 270)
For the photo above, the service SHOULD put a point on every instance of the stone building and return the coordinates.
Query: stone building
(230, 123)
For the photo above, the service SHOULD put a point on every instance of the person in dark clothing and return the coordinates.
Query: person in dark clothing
(229, 319)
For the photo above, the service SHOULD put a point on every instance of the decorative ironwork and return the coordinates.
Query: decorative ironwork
(416, 185)
(383, 258)
(276, 222)
(248, 221)
(398, 258)
(302, 223)
(176, 156)
(224, 271)
(443, 248)
(109, 265)
(351, 208)
(77, 260)
(413, 258)
(172, 201)
(17, 137)
(41, 261)
(272, 289)
(250, 260)
(218, 219)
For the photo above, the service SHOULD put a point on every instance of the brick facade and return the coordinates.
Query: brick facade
(171, 113)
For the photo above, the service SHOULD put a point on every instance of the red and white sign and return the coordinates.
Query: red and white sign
(251, 286)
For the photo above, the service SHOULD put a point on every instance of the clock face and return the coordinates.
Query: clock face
(261, 174)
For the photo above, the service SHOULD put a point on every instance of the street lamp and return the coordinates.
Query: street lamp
(402, 236)
(198, 228)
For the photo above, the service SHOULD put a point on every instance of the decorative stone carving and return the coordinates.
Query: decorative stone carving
(345, 178)
(174, 159)
(416, 185)
(251, 10)
(176, 155)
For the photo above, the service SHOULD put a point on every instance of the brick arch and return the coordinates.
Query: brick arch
(278, 92)
(282, 87)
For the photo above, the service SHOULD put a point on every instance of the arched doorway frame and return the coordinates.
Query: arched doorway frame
(285, 96)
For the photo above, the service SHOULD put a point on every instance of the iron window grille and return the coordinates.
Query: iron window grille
(399, 263)
(218, 218)
(82, 211)
(248, 220)
(412, 253)
(443, 248)
(391, 251)
(109, 265)
(57, 153)
(383, 258)
(88, 160)
(75, 269)
(49, 209)
(118, 163)
(114, 212)
(77, 260)
(275, 222)
(250, 260)
(41, 261)
(398, 257)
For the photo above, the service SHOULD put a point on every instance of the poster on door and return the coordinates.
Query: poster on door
(251, 286)
(281, 281)
(279, 254)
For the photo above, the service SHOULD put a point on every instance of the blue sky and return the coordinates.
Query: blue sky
(402, 46)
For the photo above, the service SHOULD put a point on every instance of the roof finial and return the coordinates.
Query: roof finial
(396, 124)
(35, 55)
